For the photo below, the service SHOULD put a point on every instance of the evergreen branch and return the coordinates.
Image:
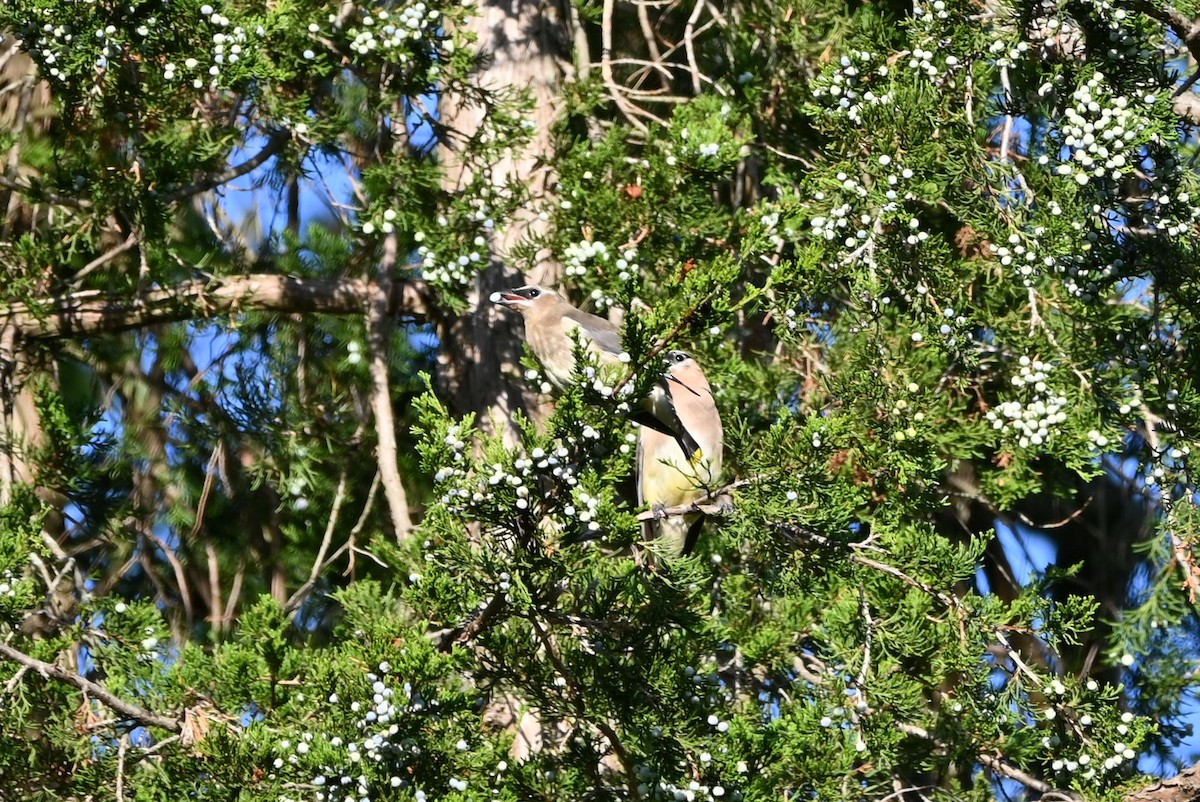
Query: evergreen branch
(39, 194)
(577, 702)
(867, 562)
(950, 602)
(90, 312)
(87, 686)
(274, 144)
(992, 762)
(461, 636)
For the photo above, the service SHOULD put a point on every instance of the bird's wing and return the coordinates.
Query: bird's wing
(604, 334)
(664, 480)
(676, 400)
(691, 398)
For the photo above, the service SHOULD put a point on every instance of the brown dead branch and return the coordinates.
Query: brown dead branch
(88, 313)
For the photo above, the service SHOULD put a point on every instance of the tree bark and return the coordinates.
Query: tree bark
(1183, 787)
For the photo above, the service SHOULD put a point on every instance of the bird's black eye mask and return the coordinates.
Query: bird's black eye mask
(669, 378)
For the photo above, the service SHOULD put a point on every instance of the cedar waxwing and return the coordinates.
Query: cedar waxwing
(667, 477)
(550, 323)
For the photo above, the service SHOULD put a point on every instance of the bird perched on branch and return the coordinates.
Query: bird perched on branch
(667, 475)
(549, 326)
(550, 329)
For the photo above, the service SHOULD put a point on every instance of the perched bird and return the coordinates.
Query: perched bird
(549, 324)
(667, 476)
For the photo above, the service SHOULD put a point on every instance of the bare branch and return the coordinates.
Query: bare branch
(297, 598)
(87, 686)
(121, 750)
(100, 261)
(689, 37)
(386, 451)
(88, 313)
(339, 496)
(721, 497)
(606, 71)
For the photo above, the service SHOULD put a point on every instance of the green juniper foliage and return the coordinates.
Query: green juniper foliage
(937, 260)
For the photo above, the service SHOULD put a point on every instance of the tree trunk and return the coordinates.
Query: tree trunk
(525, 44)
(25, 112)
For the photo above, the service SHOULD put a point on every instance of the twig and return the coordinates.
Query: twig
(1187, 30)
(606, 71)
(235, 592)
(865, 669)
(181, 579)
(87, 686)
(36, 559)
(581, 709)
(215, 614)
(689, 44)
(1008, 118)
(1186, 85)
(319, 563)
(994, 763)
(121, 749)
(950, 602)
(100, 261)
(348, 546)
(698, 505)
(12, 684)
(358, 527)
(339, 496)
(165, 742)
(477, 623)
(902, 794)
(274, 144)
(655, 62)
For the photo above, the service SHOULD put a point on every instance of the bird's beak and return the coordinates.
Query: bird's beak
(505, 298)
